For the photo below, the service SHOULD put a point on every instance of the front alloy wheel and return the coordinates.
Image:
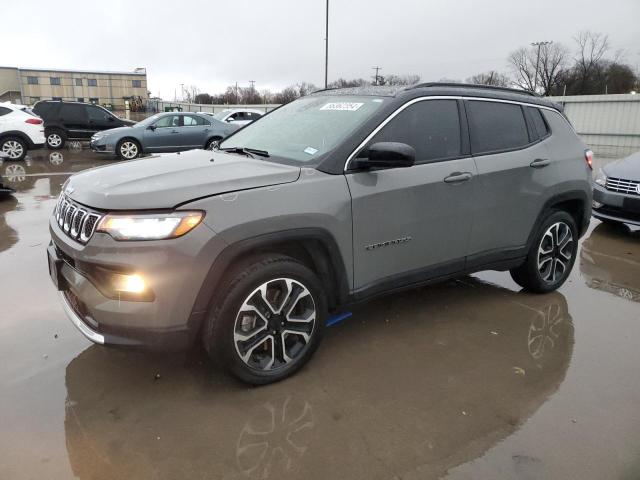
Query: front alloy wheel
(555, 252)
(274, 325)
(128, 150)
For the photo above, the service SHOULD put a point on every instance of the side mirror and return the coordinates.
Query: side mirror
(230, 120)
(388, 155)
(152, 128)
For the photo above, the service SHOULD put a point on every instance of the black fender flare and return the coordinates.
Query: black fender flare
(328, 262)
(17, 133)
(571, 195)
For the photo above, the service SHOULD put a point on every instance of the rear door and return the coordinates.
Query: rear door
(512, 160)
(99, 118)
(74, 118)
(195, 130)
(412, 223)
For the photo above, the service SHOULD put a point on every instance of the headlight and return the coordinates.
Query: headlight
(157, 226)
(601, 178)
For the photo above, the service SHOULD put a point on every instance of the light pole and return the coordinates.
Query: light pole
(326, 47)
(535, 78)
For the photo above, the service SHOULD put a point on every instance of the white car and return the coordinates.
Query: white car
(20, 130)
(237, 116)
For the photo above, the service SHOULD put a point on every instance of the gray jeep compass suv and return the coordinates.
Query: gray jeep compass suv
(329, 200)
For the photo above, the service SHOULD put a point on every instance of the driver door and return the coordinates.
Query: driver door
(414, 223)
(166, 137)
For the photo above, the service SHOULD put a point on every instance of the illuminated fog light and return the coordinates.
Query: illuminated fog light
(129, 283)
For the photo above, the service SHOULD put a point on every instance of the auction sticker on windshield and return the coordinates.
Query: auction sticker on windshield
(344, 106)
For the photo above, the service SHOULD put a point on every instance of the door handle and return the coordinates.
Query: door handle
(175, 131)
(458, 177)
(540, 162)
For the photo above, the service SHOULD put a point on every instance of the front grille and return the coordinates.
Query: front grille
(621, 185)
(76, 221)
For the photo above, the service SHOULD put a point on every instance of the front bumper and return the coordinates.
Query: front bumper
(100, 146)
(618, 207)
(175, 275)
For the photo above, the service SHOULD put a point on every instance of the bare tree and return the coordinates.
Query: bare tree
(492, 77)
(393, 79)
(592, 48)
(532, 71)
(190, 92)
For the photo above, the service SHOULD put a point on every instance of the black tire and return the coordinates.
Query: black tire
(210, 143)
(15, 147)
(55, 139)
(128, 149)
(241, 287)
(549, 275)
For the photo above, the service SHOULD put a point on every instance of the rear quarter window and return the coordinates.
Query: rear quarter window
(495, 127)
(4, 111)
(538, 121)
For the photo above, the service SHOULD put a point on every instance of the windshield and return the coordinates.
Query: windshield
(222, 114)
(305, 129)
(149, 120)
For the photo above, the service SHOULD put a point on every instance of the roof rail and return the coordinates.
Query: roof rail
(473, 85)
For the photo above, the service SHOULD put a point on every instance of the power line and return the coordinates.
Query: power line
(535, 78)
(377, 69)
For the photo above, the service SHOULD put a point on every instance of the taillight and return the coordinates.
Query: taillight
(33, 121)
(588, 157)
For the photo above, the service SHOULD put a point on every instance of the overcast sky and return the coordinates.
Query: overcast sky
(212, 44)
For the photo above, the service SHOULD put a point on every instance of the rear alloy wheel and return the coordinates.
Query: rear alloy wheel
(55, 140)
(14, 147)
(555, 252)
(551, 256)
(128, 149)
(213, 144)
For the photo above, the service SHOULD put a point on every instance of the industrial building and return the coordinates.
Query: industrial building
(110, 89)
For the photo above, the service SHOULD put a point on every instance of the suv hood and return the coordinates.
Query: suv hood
(627, 168)
(166, 181)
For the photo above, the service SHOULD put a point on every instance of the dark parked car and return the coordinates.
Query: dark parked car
(164, 132)
(74, 121)
(616, 192)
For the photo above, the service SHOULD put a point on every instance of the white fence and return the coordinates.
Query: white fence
(162, 105)
(609, 124)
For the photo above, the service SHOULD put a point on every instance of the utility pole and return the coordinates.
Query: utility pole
(182, 91)
(237, 94)
(535, 78)
(377, 69)
(326, 47)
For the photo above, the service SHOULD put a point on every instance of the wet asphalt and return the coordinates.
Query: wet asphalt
(470, 379)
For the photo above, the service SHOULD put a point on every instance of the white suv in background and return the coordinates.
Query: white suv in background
(238, 116)
(20, 130)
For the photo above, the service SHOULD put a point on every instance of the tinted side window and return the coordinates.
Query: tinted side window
(168, 121)
(4, 111)
(73, 113)
(496, 126)
(539, 124)
(432, 127)
(192, 121)
(96, 114)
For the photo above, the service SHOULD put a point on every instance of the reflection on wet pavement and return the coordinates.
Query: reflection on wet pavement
(465, 380)
(609, 261)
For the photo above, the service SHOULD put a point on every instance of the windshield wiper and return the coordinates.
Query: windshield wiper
(249, 152)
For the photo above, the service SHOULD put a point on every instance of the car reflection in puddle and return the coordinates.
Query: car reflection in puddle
(419, 382)
(610, 261)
